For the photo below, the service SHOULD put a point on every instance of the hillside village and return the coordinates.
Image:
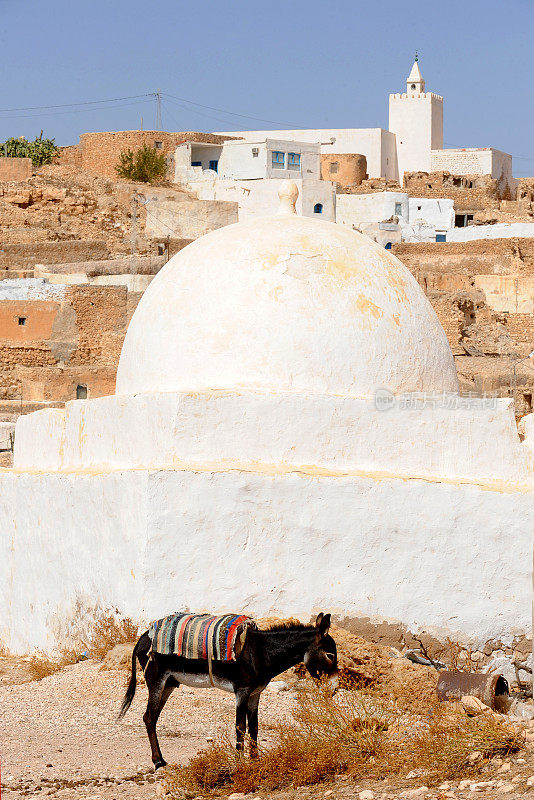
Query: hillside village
(267, 423)
(80, 245)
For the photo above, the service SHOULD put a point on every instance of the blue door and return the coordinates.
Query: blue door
(214, 165)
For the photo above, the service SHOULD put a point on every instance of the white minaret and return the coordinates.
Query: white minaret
(416, 119)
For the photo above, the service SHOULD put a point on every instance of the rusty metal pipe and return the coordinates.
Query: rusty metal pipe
(493, 690)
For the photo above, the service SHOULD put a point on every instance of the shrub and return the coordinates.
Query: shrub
(357, 734)
(41, 666)
(145, 165)
(41, 151)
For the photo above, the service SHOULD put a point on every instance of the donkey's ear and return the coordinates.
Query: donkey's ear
(322, 623)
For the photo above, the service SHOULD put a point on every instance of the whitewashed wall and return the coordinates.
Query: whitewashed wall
(419, 219)
(359, 209)
(259, 198)
(376, 144)
(417, 122)
(501, 230)
(439, 437)
(431, 555)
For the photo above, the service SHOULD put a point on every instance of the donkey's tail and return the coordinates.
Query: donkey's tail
(140, 648)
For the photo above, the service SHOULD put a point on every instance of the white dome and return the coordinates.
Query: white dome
(286, 303)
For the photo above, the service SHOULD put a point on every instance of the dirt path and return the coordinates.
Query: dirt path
(63, 730)
(59, 737)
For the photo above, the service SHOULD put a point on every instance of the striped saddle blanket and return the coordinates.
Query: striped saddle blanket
(200, 635)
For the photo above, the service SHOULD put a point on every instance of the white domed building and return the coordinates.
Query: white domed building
(286, 436)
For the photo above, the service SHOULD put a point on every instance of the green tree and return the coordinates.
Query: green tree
(41, 151)
(144, 165)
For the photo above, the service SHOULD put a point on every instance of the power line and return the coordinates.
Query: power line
(82, 103)
(194, 111)
(154, 216)
(231, 113)
(73, 111)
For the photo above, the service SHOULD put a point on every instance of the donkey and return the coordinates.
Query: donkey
(265, 654)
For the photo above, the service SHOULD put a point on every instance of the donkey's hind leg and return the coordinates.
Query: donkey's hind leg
(252, 720)
(241, 702)
(159, 691)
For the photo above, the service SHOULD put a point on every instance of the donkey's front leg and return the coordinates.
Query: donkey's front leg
(252, 719)
(241, 704)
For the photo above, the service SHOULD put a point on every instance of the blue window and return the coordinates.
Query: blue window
(318, 208)
(293, 161)
(279, 159)
(214, 165)
(388, 245)
(196, 163)
(441, 237)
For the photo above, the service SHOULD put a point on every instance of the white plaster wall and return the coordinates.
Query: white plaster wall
(359, 209)
(430, 555)
(30, 289)
(259, 198)
(500, 230)
(438, 437)
(437, 212)
(419, 219)
(376, 144)
(238, 162)
(417, 122)
(63, 539)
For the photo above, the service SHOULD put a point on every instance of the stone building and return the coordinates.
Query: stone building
(286, 406)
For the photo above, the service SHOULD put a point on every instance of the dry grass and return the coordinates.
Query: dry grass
(442, 749)
(106, 630)
(41, 666)
(356, 734)
(110, 629)
(4, 652)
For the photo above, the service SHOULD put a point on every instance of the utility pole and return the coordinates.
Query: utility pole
(158, 110)
(133, 268)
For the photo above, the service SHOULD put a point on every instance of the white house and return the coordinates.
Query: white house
(413, 143)
(250, 172)
(389, 217)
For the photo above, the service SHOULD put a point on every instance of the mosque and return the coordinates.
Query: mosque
(286, 436)
(413, 141)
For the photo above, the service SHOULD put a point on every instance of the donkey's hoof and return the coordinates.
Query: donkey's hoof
(159, 765)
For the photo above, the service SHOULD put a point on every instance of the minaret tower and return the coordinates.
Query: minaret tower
(416, 119)
(415, 82)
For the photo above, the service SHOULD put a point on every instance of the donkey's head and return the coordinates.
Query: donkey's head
(321, 657)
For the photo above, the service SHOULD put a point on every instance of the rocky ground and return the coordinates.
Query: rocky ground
(60, 737)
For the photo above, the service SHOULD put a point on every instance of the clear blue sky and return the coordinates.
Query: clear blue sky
(307, 64)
